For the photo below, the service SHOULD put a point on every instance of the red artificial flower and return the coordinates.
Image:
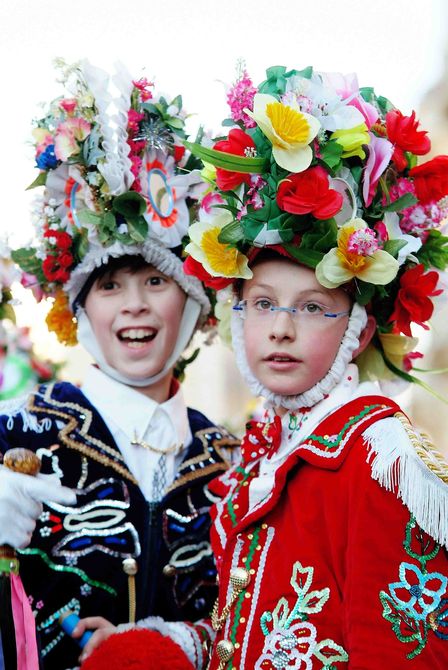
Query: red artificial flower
(431, 179)
(179, 152)
(413, 304)
(409, 358)
(68, 105)
(403, 132)
(193, 267)
(53, 271)
(309, 192)
(63, 240)
(238, 143)
(65, 259)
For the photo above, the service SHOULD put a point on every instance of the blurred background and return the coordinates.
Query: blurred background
(192, 48)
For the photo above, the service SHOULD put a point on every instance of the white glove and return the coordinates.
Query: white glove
(21, 498)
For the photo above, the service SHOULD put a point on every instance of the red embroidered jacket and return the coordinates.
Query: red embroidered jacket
(330, 570)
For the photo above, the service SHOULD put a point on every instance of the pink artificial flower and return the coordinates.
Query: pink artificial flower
(142, 83)
(134, 119)
(30, 281)
(68, 135)
(68, 105)
(43, 139)
(241, 96)
(379, 152)
(409, 358)
(348, 88)
(210, 200)
(381, 232)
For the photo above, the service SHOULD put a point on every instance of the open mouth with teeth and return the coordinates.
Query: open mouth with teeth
(136, 337)
(281, 358)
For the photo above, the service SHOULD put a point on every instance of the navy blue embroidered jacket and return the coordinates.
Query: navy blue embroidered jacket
(114, 554)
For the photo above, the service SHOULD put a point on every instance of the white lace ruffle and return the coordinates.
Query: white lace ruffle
(112, 119)
(350, 341)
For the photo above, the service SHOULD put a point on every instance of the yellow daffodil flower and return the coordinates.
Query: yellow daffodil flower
(357, 255)
(289, 130)
(371, 363)
(352, 140)
(219, 260)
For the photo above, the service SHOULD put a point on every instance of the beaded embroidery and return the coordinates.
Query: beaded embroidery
(290, 640)
(418, 603)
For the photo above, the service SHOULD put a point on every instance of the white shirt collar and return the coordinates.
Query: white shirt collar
(131, 410)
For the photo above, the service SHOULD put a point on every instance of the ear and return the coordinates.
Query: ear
(366, 335)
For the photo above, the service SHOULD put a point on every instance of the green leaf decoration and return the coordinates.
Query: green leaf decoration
(91, 151)
(393, 247)
(40, 180)
(129, 204)
(81, 244)
(411, 378)
(435, 252)
(276, 78)
(177, 102)
(138, 229)
(27, 261)
(175, 123)
(7, 310)
(230, 162)
(308, 257)
(228, 123)
(406, 200)
(231, 234)
(107, 228)
(367, 93)
(321, 237)
(328, 652)
(331, 154)
(364, 292)
(150, 108)
(87, 217)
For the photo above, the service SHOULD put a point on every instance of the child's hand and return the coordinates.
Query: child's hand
(102, 627)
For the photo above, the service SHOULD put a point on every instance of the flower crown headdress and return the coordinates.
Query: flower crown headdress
(328, 171)
(117, 178)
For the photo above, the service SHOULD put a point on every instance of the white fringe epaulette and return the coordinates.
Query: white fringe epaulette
(397, 465)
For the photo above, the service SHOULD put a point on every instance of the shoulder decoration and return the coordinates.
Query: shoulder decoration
(405, 460)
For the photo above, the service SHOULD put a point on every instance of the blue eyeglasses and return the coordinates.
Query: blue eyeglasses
(262, 308)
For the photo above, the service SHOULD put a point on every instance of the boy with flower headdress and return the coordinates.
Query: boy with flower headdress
(331, 536)
(119, 193)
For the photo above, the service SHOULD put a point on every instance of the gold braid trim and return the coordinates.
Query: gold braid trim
(72, 427)
(425, 449)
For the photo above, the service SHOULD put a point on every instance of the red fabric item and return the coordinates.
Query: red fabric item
(261, 438)
(137, 649)
(327, 550)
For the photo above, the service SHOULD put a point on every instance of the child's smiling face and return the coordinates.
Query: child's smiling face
(289, 353)
(136, 317)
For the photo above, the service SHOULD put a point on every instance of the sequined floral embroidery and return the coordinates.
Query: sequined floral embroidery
(290, 639)
(415, 605)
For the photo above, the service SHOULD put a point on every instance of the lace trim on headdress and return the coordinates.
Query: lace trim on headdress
(154, 254)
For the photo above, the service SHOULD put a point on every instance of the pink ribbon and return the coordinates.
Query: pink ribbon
(25, 627)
